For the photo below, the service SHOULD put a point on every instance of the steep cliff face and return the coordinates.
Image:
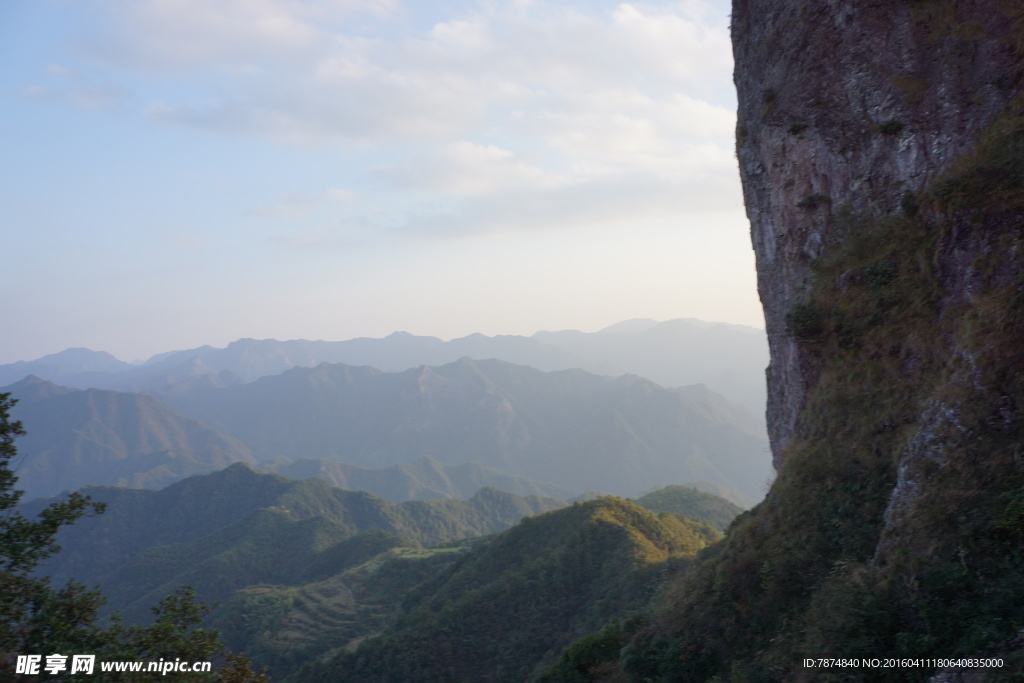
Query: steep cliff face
(845, 107)
(881, 147)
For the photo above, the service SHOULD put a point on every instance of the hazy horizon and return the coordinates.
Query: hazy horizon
(138, 359)
(180, 173)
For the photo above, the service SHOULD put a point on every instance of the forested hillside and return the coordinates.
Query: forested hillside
(300, 570)
(503, 611)
(238, 527)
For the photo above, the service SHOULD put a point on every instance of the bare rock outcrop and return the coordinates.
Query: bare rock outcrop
(845, 108)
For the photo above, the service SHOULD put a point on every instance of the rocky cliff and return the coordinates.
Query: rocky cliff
(852, 108)
(881, 147)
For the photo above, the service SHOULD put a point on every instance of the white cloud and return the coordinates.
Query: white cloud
(86, 90)
(468, 169)
(172, 35)
(301, 204)
(291, 71)
(623, 131)
(674, 46)
(36, 92)
(342, 98)
(624, 200)
(576, 114)
(59, 71)
(187, 242)
(473, 36)
(317, 237)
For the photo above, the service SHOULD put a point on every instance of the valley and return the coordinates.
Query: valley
(330, 512)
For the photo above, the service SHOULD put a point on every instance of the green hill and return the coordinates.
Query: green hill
(302, 570)
(504, 610)
(299, 568)
(689, 502)
(286, 626)
(235, 528)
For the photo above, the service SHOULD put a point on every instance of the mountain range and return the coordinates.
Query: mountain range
(470, 563)
(78, 437)
(575, 430)
(236, 527)
(730, 359)
(502, 612)
(302, 571)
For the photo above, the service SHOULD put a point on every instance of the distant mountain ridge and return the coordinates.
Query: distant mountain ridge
(555, 433)
(93, 436)
(728, 358)
(421, 479)
(572, 428)
(67, 364)
(96, 437)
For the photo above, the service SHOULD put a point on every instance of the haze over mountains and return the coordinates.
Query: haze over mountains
(573, 429)
(250, 515)
(429, 498)
(429, 431)
(301, 569)
(729, 359)
(78, 437)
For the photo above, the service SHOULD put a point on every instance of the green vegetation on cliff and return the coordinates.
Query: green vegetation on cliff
(896, 526)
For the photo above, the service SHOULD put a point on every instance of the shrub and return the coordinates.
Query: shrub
(890, 127)
(804, 322)
(813, 201)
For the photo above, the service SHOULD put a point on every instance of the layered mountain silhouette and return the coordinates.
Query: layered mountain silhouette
(728, 358)
(301, 570)
(78, 437)
(70, 366)
(94, 437)
(234, 528)
(422, 479)
(574, 429)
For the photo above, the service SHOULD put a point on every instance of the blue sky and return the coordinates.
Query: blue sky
(188, 172)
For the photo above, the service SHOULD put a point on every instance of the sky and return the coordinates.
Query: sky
(184, 172)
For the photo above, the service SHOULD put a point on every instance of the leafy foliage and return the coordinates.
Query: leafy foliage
(591, 657)
(33, 616)
(36, 618)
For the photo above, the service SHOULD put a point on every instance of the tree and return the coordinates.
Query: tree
(32, 614)
(36, 618)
